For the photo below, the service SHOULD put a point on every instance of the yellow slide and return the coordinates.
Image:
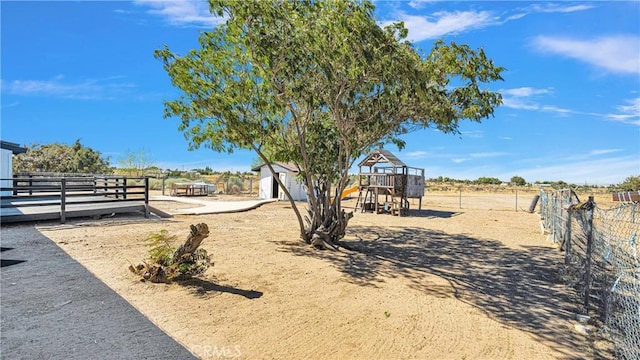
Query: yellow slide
(348, 191)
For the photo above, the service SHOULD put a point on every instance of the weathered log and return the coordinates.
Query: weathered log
(198, 233)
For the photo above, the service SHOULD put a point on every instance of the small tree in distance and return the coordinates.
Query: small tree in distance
(488, 181)
(134, 163)
(518, 181)
(319, 84)
(631, 183)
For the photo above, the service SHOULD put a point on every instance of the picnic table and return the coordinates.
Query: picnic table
(191, 189)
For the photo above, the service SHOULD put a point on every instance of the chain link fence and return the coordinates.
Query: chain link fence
(601, 262)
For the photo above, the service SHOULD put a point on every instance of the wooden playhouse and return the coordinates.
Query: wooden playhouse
(386, 184)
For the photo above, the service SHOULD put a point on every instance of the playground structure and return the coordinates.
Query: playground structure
(394, 183)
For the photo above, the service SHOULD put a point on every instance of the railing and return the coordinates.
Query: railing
(394, 181)
(36, 190)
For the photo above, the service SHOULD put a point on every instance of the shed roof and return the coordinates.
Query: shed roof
(289, 166)
(381, 156)
(15, 148)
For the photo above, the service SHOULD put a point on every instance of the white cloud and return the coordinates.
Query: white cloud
(416, 154)
(546, 8)
(611, 170)
(618, 54)
(4, 106)
(419, 4)
(628, 113)
(442, 23)
(557, 8)
(526, 91)
(472, 134)
(105, 88)
(603, 151)
(182, 12)
(487, 154)
(521, 99)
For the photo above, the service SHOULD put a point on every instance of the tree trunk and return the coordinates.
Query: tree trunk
(198, 233)
(326, 222)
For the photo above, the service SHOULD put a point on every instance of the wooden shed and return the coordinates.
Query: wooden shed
(287, 172)
(386, 183)
(7, 150)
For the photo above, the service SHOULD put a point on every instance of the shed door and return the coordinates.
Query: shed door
(7, 171)
(274, 187)
(283, 180)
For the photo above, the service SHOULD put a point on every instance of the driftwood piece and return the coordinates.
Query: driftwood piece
(198, 233)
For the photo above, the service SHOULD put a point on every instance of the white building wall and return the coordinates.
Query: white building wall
(295, 188)
(6, 170)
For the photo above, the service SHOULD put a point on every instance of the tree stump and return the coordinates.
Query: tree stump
(188, 260)
(198, 233)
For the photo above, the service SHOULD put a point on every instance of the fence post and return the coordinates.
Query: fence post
(516, 200)
(63, 200)
(589, 232)
(567, 239)
(30, 184)
(146, 196)
(124, 186)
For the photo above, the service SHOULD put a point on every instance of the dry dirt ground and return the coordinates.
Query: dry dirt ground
(445, 283)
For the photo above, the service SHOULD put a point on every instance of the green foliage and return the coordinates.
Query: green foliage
(488, 181)
(518, 181)
(631, 183)
(206, 171)
(161, 247)
(161, 252)
(155, 184)
(319, 84)
(135, 163)
(196, 265)
(61, 158)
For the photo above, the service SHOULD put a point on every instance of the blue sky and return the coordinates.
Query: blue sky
(571, 90)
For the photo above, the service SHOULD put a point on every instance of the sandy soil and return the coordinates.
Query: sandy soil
(446, 283)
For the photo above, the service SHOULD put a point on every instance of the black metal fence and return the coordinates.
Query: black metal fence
(42, 190)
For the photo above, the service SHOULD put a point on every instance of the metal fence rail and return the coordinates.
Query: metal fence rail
(601, 261)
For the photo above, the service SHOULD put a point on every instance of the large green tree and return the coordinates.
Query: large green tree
(319, 84)
(61, 158)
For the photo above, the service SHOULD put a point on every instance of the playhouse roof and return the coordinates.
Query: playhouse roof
(381, 156)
